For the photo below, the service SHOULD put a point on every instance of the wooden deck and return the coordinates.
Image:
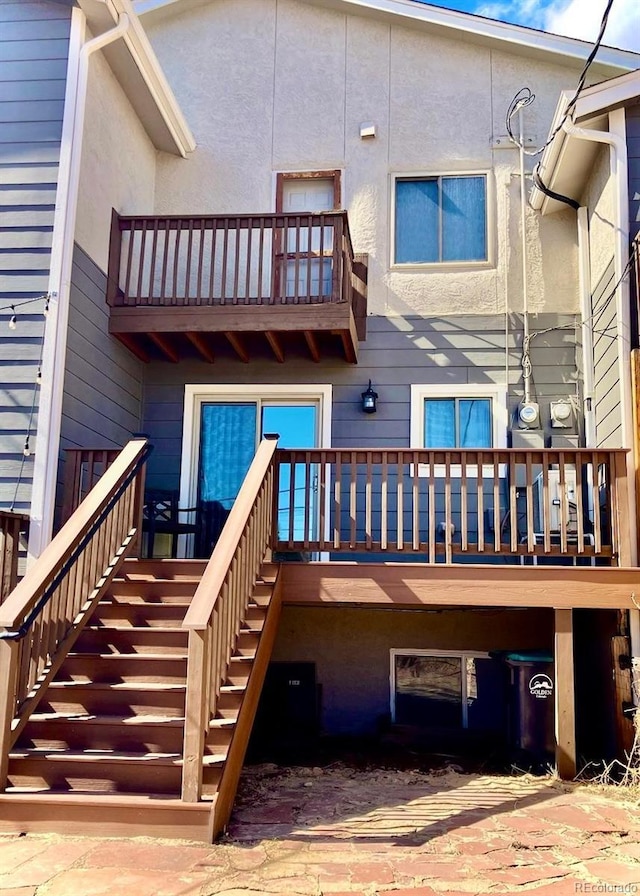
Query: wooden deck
(243, 286)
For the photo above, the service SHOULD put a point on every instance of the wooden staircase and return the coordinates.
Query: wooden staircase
(103, 752)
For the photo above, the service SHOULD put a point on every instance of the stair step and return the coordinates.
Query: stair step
(154, 590)
(105, 815)
(124, 614)
(139, 734)
(95, 771)
(145, 570)
(118, 667)
(239, 670)
(247, 643)
(114, 699)
(132, 640)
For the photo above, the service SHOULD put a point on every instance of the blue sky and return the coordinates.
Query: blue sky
(574, 18)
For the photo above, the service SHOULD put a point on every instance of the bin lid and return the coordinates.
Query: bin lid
(523, 656)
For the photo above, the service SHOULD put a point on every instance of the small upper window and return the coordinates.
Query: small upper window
(457, 423)
(440, 219)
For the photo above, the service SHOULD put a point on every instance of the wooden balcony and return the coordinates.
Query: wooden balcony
(467, 506)
(247, 285)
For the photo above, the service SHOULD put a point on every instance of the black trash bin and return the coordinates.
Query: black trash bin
(531, 708)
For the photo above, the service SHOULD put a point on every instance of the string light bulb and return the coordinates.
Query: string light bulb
(13, 322)
(39, 375)
(45, 310)
(26, 450)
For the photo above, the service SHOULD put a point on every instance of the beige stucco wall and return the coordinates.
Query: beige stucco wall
(350, 648)
(272, 86)
(118, 163)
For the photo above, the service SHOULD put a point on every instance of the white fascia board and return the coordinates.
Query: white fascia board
(484, 30)
(549, 158)
(563, 151)
(169, 119)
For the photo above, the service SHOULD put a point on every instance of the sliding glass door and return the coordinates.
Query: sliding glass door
(229, 435)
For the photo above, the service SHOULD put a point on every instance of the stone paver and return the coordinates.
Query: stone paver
(357, 832)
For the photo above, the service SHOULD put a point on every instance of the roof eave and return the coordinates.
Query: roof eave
(138, 71)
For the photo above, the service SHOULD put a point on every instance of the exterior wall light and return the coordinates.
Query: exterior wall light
(369, 399)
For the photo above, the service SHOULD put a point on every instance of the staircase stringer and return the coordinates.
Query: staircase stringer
(224, 799)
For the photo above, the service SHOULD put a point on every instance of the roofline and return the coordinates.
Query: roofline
(593, 101)
(490, 30)
(147, 63)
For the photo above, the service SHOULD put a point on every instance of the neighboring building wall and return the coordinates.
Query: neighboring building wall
(283, 86)
(350, 648)
(397, 352)
(599, 198)
(34, 37)
(633, 155)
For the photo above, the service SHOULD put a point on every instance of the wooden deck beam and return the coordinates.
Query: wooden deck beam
(459, 585)
(565, 696)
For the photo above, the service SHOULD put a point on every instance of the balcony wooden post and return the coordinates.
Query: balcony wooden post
(115, 250)
(621, 516)
(565, 695)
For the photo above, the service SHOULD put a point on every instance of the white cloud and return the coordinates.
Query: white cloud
(572, 18)
(581, 18)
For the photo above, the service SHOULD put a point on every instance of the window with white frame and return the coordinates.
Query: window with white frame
(464, 417)
(440, 219)
(453, 690)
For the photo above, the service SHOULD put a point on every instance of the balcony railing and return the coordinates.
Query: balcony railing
(175, 280)
(285, 259)
(446, 504)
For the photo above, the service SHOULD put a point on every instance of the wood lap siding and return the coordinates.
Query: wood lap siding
(396, 353)
(34, 39)
(103, 381)
(607, 397)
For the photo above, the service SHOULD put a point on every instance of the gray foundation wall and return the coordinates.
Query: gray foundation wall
(351, 650)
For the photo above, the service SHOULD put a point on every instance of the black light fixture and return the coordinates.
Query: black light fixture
(369, 398)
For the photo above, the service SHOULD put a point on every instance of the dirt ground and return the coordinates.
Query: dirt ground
(367, 830)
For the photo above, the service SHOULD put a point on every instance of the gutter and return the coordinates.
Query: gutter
(45, 472)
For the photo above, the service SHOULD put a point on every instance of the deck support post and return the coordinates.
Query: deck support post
(9, 652)
(565, 695)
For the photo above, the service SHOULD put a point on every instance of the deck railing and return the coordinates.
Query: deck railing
(212, 260)
(14, 528)
(219, 606)
(82, 469)
(43, 616)
(441, 504)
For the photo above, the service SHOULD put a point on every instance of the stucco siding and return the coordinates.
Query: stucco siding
(34, 36)
(271, 87)
(117, 169)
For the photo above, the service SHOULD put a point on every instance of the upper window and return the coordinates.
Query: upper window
(462, 417)
(440, 219)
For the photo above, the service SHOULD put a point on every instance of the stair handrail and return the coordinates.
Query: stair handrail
(44, 614)
(219, 605)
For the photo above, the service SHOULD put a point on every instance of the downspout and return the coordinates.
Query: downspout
(617, 163)
(584, 280)
(526, 372)
(45, 471)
